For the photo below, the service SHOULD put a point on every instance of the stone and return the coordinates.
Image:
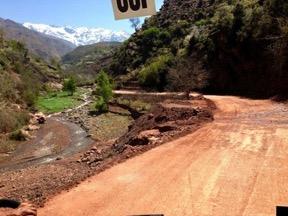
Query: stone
(149, 133)
(33, 127)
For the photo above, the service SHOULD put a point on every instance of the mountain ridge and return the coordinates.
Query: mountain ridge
(42, 45)
(79, 36)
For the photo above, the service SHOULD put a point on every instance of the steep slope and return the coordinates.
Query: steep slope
(39, 44)
(21, 78)
(79, 36)
(241, 46)
(86, 61)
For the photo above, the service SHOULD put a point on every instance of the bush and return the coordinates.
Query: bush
(101, 106)
(70, 86)
(29, 89)
(104, 91)
(223, 17)
(17, 135)
(11, 120)
(153, 75)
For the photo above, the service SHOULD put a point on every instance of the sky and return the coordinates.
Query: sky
(76, 13)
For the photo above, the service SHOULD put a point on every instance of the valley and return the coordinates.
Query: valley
(186, 115)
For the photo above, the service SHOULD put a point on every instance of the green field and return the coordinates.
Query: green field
(59, 101)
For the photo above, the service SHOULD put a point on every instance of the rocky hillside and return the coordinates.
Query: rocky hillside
(221, 46)
(86, 61)
(46, 47)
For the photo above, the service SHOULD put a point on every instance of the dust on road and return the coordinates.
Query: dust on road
(237, 165)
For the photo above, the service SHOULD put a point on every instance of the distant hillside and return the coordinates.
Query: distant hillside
(238, 47)
(39, 44)
(86, 61)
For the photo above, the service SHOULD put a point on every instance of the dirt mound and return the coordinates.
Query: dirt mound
(166, 121)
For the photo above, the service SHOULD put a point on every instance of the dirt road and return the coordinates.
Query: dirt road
(235, 166)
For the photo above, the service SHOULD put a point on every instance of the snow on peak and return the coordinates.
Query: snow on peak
(81, 35)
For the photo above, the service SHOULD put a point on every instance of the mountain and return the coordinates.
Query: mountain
(42, 45)
(86, 61)
(230, 47)
(79, 36)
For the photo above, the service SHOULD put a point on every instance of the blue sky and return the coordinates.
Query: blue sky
(89, 13)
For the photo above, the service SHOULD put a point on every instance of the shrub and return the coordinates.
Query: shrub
(17, 135)
(70, 86)
(101, 106)
(11, 120)
(104, 91)
(152, 75)
(223, 17)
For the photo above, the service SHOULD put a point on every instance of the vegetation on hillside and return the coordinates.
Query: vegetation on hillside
(241, 46)
(21, 79)
(85, 62)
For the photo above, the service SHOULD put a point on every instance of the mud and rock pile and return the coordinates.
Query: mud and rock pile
(163, 122)
(167, 120)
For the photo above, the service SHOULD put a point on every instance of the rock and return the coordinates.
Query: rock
(149, 133)
(24, 209)
(33, 127)
(40, 117)
(59, 158)
(25, 134)
(53, 86)
(150, 116)
(85, 159)
(16, 106)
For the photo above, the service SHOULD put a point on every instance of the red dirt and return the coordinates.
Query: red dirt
(37, 183)
(236, 165)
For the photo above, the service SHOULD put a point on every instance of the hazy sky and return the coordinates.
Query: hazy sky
(89, 13)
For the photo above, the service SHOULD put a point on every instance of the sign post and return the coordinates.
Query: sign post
(125, 9)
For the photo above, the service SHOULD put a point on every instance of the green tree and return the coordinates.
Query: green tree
(104, 91)
(70, 86)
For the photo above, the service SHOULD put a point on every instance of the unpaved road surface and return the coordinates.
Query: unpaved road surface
(235, 166)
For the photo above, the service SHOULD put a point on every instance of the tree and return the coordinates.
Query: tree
(104, 91)
(70, 86)
(135, 23)
(188, 76)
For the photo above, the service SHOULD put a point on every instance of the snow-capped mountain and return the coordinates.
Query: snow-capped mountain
(81, 35)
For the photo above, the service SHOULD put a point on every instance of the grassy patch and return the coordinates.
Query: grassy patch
(109, 126)
(58, 102)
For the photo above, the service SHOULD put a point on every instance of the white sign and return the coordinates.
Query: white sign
(124, 9)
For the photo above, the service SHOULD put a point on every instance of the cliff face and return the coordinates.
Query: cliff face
(242, 45)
